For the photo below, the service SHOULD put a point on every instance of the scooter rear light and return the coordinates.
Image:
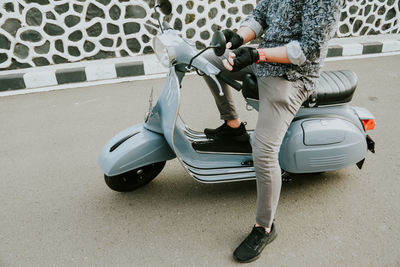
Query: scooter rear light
(369, 124)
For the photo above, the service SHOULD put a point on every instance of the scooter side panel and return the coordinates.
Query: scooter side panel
(133, 148)
(297, 157)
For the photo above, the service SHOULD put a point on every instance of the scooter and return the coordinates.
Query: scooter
(326, 134)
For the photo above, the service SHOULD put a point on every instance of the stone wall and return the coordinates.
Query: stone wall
(44, 32)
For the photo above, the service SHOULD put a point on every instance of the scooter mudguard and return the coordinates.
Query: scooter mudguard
(133, 148)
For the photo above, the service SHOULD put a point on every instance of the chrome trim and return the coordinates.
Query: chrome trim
(218, 168)
(223, 181)
(247, 172)
(222, 153)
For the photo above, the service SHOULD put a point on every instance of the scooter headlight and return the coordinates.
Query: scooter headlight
(164, 53)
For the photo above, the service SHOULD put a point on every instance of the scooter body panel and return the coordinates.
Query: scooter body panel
(164, 113)
(132, 148)
(363, 113)
(318, 145)
(323, 138)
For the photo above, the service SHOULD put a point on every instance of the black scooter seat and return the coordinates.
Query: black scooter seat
(333, 87)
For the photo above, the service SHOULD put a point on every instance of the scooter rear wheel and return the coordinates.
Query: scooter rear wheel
(134, 179)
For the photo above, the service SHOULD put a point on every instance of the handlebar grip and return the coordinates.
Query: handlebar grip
(229, 81)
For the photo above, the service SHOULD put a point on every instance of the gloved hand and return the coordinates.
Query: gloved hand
(241, 57)
(232, 37)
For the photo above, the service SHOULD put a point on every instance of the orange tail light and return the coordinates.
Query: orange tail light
(368, 124)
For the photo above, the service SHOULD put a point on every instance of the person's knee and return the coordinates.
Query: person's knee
(264, 151)
(265, 144)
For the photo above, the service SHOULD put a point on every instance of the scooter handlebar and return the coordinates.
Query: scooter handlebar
(221, 93)
(228, 80)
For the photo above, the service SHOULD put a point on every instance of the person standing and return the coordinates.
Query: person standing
(287, 64)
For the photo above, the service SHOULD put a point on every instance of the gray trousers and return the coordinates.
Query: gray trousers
(279, 101)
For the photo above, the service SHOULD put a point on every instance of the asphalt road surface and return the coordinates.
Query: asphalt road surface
(56, 210)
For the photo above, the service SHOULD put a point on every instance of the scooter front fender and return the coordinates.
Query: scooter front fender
(132, 148)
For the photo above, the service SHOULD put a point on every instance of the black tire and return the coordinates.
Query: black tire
(134, 179)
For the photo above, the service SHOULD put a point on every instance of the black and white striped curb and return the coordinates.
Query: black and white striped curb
(39, 77)
(107, 70)
(367, 48)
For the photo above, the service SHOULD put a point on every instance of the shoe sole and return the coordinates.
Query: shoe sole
(259, 254)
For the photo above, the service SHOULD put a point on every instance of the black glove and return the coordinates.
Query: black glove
(244, 56)
(233, 37)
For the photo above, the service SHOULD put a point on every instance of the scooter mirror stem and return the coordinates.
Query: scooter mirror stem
(158, 17)
(201, 52)
(165, 7)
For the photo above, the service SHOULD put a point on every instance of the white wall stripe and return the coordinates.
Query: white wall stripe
(40, 79)
(352, 49)
(390, 46)
(152, 65)
(100, 72)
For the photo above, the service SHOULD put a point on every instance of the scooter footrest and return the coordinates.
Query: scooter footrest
(222, 146)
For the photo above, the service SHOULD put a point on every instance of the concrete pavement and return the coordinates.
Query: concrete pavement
(57, 211)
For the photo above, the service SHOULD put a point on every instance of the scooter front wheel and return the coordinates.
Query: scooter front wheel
(134, 179)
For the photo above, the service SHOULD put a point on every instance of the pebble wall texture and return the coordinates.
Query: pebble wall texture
(44, 32)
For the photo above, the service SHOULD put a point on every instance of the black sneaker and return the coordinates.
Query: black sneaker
(251, 248)
(226, 132)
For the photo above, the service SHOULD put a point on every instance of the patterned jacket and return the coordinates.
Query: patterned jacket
(304, 27)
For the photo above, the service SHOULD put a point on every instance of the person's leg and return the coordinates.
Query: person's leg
(279, 102)
(224, 103)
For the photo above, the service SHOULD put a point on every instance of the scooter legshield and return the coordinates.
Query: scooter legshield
(132, 148)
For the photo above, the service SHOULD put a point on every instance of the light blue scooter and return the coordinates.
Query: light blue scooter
(327, 133)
